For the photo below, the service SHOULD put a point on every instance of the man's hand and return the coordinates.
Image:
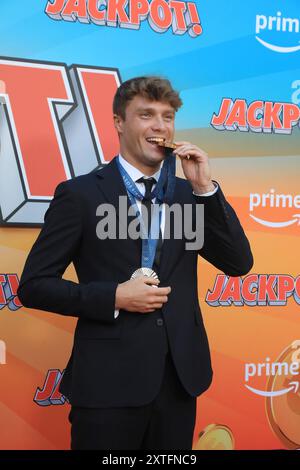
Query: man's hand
(139, 295)
(195, 166)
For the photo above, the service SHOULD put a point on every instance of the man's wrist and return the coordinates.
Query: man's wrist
(203, 189)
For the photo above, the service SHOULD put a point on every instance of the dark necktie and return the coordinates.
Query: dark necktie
(146, 203)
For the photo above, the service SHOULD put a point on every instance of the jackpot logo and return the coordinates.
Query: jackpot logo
(258, 116)
(49, 394)
(253, 290)
(275, 203)
(8, 292)
(280, 26)
(161, 14)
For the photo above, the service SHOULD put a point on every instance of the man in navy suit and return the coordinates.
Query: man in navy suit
(140, 356)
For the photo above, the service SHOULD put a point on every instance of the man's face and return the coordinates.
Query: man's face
(144, 120)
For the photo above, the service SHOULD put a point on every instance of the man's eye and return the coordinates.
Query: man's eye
(146, 115)
(169, 118)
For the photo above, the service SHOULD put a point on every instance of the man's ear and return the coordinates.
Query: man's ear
(118, 121)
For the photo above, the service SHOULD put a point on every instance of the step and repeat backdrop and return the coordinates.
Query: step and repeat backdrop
(237, 67)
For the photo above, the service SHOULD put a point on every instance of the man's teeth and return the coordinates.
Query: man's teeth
(155, 140)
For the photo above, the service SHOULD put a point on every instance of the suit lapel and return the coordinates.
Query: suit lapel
(111, 185)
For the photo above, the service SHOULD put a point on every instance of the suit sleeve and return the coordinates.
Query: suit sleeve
(41, 284)
(225, 243)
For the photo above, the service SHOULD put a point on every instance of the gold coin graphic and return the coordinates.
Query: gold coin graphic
(215, 437)
(283, 410)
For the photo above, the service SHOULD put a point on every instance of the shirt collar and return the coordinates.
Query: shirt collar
(134, 173)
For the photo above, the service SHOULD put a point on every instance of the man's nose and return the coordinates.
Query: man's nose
(158, 123)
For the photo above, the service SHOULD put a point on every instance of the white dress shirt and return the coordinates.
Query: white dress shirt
(136, 174)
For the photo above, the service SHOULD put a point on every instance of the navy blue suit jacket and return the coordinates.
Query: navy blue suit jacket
(119, 362)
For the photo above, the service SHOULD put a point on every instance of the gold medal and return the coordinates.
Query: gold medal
(166, 144)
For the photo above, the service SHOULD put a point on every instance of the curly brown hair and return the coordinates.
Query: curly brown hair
(151, 87)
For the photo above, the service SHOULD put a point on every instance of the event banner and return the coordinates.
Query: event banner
(237, 68)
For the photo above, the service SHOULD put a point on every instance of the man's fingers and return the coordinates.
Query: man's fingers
(182, 142)
(185, 148)
(148, 299)
(163, 290)
(160, 300)
(160, 290)
(152, 308)
(149, 280)
(189, 149)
